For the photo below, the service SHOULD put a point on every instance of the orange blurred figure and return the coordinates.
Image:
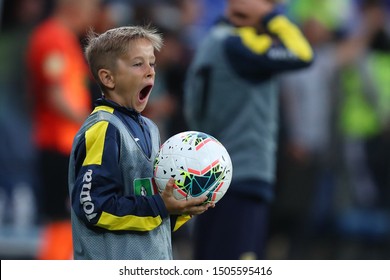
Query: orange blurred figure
(58, 79)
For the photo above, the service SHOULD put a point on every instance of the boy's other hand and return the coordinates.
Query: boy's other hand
(192, 206)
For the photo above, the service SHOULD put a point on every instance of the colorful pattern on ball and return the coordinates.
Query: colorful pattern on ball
(199, 164)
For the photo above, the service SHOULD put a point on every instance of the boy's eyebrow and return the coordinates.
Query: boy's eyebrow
(142, 57)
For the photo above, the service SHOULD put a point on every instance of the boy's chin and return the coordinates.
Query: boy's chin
(140, 108)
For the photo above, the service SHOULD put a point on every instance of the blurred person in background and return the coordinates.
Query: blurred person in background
(58, 78)
(231, 93)
(310, 160)
(364, 116)
(363, 121)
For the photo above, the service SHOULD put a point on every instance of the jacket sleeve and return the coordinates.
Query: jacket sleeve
(257, 56)
(97, 197)
(179, 220)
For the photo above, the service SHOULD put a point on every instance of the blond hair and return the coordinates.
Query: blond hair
(103, 50)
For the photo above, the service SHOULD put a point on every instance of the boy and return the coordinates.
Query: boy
(111, 163)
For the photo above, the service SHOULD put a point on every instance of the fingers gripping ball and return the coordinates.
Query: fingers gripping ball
(198, 162)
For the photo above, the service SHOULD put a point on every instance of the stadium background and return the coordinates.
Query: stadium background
(319, 212)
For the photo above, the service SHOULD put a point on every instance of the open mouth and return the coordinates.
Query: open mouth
(145, 92)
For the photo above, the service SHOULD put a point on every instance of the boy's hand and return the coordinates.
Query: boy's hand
(193, 206)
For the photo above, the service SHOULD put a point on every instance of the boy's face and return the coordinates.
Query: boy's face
(248, 12)
(134, 75)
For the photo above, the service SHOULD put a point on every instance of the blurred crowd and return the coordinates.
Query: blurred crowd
(333, 183)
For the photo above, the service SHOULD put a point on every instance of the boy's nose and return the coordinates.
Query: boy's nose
(150, 72)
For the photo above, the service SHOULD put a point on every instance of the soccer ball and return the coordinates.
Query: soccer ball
(198, 162)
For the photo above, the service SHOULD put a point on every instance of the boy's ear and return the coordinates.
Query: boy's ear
(106, 78)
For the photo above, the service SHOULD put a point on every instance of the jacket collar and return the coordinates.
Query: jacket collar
(128, 111)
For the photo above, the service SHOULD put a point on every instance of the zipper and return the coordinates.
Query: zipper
(141, 123)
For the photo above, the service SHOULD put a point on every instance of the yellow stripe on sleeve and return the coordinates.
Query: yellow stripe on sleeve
(129, 222)
(181, 220)
(292, 37)
(258, 44)
(94, 141)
